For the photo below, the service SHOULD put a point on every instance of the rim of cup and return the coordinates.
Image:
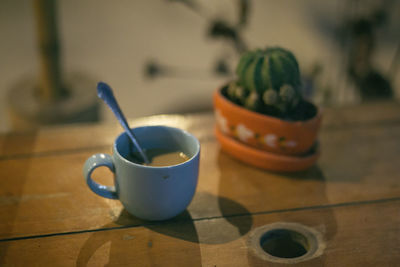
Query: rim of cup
(186, 133)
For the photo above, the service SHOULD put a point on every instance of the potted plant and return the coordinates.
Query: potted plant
(262, 118)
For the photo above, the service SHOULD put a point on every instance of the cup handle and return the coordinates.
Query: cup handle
(91, 164)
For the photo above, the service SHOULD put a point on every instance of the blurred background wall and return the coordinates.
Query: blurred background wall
(165, 56)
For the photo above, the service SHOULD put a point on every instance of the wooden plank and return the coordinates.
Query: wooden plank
(47, 194)
(367, 113)
(89, 136)
(354, 235)
(82, 136)
(14, 145)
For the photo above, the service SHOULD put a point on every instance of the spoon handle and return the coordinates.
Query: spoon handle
(105, 92)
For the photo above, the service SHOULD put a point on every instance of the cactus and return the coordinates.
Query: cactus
(268, 82)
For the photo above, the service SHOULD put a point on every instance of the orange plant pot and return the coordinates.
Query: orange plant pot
(266, 160)
(264, 132)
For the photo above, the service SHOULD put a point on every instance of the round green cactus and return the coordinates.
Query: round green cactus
(268, 79)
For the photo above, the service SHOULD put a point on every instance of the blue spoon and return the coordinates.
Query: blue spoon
(105, 92)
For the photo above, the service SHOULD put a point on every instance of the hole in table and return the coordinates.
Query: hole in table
(284, 243)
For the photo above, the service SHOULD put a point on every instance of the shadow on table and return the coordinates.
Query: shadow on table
(298, 197)
(319, 215)
(141, 245)
(126, 244)
(209, 219)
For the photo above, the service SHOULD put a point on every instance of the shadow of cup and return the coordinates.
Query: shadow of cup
(209, 220)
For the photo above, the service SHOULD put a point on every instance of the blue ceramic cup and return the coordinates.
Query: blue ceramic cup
(150, 193)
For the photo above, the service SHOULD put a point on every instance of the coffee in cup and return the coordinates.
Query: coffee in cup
(159, 157)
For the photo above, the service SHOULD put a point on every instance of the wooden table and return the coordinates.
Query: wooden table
(49, 217)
